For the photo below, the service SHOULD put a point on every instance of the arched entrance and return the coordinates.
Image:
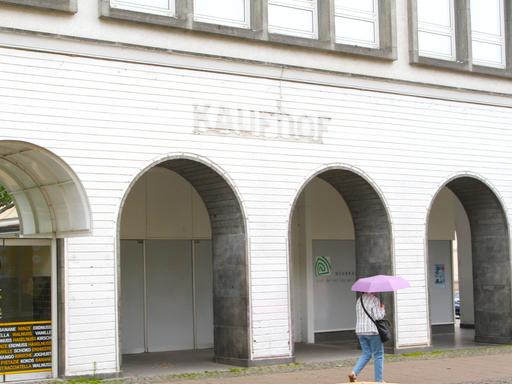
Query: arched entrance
(484, 265)
(340, 231)
(50, 203)
(184, 263)
(48, 196)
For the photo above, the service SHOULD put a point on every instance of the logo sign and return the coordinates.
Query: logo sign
(272, 124)
(323, 266)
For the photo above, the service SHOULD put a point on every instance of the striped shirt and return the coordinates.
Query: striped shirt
(364, 325)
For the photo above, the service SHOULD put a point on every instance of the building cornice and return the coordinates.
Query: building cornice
(115, 51)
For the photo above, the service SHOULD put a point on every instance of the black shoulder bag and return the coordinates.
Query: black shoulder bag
(383, 326)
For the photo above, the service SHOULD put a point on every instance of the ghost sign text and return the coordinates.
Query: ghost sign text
(277, 125)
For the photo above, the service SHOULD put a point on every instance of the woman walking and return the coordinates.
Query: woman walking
(368, 336)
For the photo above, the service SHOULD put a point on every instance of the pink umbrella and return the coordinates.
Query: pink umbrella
(380, 283)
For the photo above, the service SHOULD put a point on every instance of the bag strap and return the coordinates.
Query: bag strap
(362, 305)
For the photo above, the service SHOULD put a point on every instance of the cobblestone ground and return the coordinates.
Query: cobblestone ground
(481, 366)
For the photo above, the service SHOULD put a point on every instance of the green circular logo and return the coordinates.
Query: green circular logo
(323, 266)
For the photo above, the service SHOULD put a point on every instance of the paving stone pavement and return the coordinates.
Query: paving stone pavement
(486, 369)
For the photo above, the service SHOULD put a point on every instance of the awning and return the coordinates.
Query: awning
(48, 196)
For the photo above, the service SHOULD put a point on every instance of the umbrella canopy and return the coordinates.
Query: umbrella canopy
(380, 283)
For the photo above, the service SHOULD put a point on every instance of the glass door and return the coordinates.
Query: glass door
(26, 328)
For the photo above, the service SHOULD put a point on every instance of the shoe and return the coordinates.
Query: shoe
(352, 378)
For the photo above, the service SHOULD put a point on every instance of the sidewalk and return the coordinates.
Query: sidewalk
(450, 370)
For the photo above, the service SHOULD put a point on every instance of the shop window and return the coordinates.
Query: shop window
(488, 32)
(293, 17)
(26, 309)
(436, 29)
(157, 7)
(233, 13)
(357, 22)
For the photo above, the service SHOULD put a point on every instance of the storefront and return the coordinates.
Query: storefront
(51, 205)
(28, 328)
(170, 199)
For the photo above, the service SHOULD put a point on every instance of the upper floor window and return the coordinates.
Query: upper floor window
(359, 27)
(157, 7)
(466, 35)
(293, 17)
(488, 32)
(436, 29)
(357, 22)
(232, 13)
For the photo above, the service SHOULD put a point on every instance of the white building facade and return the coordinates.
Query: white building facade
(219, 176)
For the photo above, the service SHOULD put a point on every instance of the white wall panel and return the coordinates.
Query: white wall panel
(109, 120)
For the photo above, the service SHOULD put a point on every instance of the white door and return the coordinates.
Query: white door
(167, 295)
(440, 282)
(132, 296)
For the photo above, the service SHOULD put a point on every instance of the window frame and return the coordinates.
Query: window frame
(177, 20)
(225, 22)
(479, 37)
(451, 33)
(125, 5)
(386, 32)
(69, 6)
(315, 21)
(353, 14)
(258, 29)
(463, 42)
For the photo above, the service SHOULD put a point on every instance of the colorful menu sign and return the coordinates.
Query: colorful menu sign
(25, 347)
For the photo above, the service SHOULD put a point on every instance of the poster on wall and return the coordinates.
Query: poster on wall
(25, 347)
(334, 272)
(25, 310)
(439, 276)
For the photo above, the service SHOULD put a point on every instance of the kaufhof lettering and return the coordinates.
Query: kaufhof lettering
(25, 347)
(264, 124)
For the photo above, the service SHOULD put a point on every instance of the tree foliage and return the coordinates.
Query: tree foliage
(6, 201)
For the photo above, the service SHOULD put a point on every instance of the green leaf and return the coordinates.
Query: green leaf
(5, 199)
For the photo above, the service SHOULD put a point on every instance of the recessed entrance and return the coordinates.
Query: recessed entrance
(469, 208)
(183, 264)
(340, 231)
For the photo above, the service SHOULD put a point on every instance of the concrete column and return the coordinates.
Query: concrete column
(230, 285)
(491, 260)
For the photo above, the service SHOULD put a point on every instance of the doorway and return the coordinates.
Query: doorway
(468, 207)
(339, 231)
(183, 264)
